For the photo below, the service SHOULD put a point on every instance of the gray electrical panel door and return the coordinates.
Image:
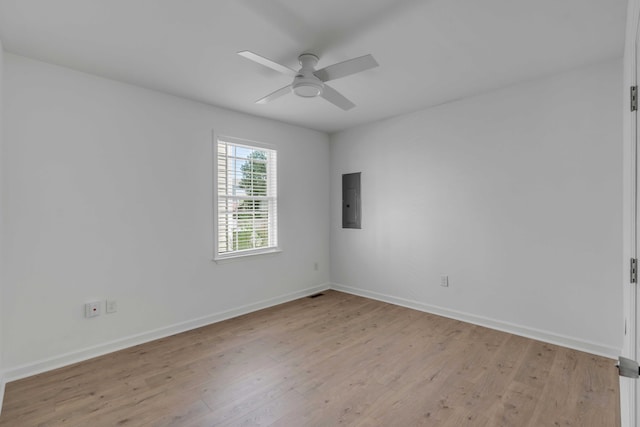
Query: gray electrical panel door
(351, 208)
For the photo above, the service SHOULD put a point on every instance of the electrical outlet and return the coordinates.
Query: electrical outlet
(444, 281)
(112, 306)
(92, 309)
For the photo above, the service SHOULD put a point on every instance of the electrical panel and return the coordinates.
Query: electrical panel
(351, 206)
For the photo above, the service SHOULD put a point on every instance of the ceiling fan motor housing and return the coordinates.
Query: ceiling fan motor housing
(306, 84)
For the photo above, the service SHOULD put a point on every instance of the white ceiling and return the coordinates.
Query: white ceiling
(429, 51)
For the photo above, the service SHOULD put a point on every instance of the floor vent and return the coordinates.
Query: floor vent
(316, 295)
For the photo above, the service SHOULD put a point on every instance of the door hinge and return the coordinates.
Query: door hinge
(633, 270)
(628, 368)
(634, 98)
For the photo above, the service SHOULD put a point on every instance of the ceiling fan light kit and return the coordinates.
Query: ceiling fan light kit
(305, 84)
(309, 82)
(307, 88)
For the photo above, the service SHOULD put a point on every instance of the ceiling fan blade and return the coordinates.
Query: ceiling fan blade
(334, 97)
(275, 95)
(346, 68)
(268, 63)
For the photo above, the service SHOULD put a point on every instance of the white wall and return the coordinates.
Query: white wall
(108, 194)
(515, 194)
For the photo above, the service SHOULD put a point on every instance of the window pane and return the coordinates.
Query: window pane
(246, 205)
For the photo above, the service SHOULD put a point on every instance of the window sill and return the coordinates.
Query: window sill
(245, 255)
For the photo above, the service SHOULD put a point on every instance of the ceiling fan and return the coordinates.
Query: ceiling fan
(309, 82)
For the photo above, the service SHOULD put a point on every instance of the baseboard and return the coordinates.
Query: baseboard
(34, 368)
(537, 334)
(44, 365)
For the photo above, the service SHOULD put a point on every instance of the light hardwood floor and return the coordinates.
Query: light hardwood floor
(333, 360)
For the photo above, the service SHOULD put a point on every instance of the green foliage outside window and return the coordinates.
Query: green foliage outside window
(252, 214)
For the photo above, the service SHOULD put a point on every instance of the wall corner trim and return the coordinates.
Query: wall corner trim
(2, 384)
(512, 328)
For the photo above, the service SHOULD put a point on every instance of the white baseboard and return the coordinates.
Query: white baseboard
(40, 366)
(80, 355)
(537, 334)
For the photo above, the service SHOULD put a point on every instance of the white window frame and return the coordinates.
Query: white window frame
(271, 198)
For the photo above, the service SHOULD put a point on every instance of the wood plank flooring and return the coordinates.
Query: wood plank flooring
(333, 360)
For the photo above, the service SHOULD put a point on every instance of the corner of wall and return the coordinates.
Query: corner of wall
(2, 384)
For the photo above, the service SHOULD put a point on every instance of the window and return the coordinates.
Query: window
(246, 198)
